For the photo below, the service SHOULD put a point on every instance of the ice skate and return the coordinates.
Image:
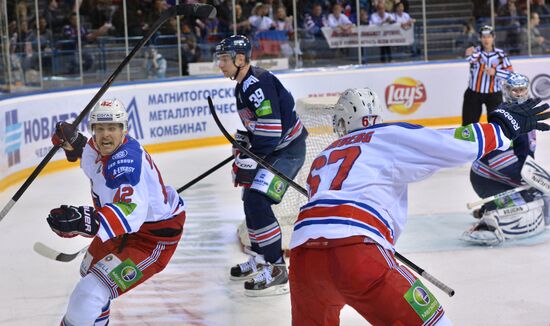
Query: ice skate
(271, 280)
(247, 270)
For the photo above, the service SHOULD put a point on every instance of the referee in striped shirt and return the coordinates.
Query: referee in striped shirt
(488, 67)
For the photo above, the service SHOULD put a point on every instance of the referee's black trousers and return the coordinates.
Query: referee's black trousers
(471, 107)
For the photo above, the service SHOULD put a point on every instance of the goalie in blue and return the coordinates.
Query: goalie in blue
(521, 214)
(275, 133)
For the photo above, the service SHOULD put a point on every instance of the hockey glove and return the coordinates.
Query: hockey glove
(244, 171)
(517, 119)
(70, 221)
(65, 134)
(242, 137)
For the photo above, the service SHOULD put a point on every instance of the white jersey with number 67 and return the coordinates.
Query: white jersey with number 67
(358, 185)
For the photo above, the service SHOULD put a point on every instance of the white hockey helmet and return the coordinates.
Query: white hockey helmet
(109, 111)
(357, 108)
(515, 88)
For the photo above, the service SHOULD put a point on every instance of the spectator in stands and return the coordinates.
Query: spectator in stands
(70, 33)
(482, 11)
(314, 22)
(538, 43)
(260, 21)
(136, 17)
(100, 12)
(379, 18)
(155, 64)
(31, 62)
(243, 25)
(284, 24)
(338, 20)
(401, 17)
(158, 7)
(363, 16)
(509, 20)
(190, 52)
(17, 77)
(225, 16)
(57, 14)
(467, 39)
(542, 9)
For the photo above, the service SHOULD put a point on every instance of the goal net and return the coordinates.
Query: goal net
(316, 114)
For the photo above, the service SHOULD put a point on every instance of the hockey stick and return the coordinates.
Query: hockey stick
(205, 174)
(497, 196)
(450, 292)
(44, 250)
(197, 10)
(50, 253)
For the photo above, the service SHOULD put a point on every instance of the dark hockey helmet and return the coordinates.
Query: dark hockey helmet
(486, 30)
(234, 45)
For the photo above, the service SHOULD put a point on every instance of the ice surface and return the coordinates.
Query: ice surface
(494, 286)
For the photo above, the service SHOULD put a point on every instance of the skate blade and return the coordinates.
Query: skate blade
(270, 291)
(243, 278)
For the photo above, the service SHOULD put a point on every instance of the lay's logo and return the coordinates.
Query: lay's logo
(405, 95)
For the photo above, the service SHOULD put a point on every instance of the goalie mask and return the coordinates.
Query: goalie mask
(515, 88)
(356, 109)
(109, 111)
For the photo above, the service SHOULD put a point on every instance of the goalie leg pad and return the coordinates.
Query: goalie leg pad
(522, 221)
(513, 222)
(485, 232)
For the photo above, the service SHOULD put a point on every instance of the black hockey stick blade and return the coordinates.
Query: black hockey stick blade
(450, 292)
(53, 254)
(198, 10)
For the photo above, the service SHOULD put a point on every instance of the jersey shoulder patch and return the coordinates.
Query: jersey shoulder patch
(124, 166)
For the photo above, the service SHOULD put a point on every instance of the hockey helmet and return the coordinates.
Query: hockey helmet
(109, 111)
(486, 30)
(515, 88)
(356, 109)
(234, 45)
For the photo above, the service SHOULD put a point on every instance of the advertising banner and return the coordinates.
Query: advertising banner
(371, 35)
(170, 113)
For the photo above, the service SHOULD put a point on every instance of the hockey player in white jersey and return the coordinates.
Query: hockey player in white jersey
(136, 222)
(343, 240)
(519, 215)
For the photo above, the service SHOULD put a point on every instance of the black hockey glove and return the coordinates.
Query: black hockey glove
(517, 119)
(244, 171)
(243, 138)
(65, 134)
(70, 221)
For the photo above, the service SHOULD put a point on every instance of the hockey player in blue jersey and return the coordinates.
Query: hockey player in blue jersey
(519, 215)
(275, 133)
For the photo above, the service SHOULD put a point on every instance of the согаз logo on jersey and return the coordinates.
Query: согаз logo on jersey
(405, 95)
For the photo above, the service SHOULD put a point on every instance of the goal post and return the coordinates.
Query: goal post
(316, 114)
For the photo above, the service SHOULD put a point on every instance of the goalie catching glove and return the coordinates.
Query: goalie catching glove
(517, 119)
(70, 139)
(70, 221)
(244, 170)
